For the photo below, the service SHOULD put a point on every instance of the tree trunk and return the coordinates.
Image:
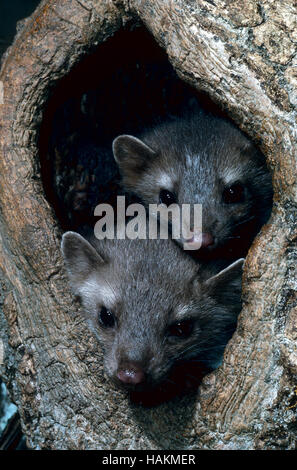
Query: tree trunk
(243, 54)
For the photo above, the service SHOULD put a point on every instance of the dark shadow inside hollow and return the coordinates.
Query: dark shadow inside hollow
(125, 86)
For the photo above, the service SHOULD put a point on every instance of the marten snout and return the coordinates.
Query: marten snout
(130, 373)
(205, 239)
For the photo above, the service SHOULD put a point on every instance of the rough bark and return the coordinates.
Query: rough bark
(243, 54)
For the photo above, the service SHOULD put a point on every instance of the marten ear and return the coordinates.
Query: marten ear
(80, 257)
(226, 283)
(131, 154)
(226, 275)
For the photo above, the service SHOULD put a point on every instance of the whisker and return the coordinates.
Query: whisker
(245, 220)
(171, 381)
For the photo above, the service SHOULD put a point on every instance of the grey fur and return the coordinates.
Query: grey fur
(197, 157)
(149, 285)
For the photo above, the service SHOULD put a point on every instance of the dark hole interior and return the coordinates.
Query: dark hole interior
(125, 86)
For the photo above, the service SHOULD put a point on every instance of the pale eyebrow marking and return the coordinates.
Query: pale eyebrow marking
(99, 288)
(89, 287)
(181, 314)
(230, 175)
(165, 181)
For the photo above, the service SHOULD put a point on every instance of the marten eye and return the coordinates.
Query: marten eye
(167, 197)
(233, 194)
(182, 329)
(106, 318)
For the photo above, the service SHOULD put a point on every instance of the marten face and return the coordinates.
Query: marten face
(201, 161)
(149, 307)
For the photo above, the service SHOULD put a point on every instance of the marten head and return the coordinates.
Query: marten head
(151, 306)
(201, 160)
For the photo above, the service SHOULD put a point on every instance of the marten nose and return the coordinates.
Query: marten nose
(207, 239)
(204, 239)
(131, 373)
